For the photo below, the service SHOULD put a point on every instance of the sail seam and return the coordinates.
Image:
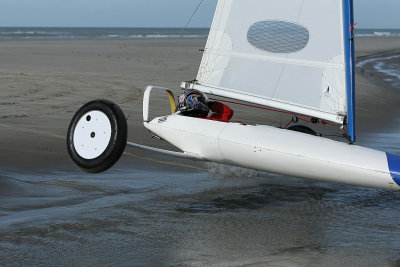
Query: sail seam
(307, 63)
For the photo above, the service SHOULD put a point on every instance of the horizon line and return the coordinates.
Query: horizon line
(147, 27)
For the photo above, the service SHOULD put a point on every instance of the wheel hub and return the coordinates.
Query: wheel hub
(92, 134)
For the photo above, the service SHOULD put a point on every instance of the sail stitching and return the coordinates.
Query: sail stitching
(307, 63)
(216, 32)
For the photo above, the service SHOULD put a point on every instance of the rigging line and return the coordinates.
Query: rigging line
(300, 11)
(167, 56)
(174, 43)
(140, 95)
(280, 76)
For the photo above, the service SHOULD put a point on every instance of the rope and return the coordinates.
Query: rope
(174, 43)
(140, 95)
(167, 55)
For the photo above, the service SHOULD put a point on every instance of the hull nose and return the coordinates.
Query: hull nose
(394, 167)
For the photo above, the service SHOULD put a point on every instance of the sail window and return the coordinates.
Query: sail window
(277, 36)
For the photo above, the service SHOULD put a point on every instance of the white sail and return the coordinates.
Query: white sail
(287, 54)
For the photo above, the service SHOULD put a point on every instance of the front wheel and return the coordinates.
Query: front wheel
(97, 136)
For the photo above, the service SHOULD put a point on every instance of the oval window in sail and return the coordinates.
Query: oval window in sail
(278, 36)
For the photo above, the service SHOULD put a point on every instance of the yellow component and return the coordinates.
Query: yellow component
(171, 101)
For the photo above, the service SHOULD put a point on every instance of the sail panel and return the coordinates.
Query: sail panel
(277, 54)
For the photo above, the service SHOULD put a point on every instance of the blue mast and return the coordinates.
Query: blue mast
(348, 18)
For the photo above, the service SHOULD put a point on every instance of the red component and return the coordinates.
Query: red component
(352, 26)
(220, 111)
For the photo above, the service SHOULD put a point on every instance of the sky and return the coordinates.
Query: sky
(154, 13)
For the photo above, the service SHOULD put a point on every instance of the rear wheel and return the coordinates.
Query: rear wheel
(302, 129)
(97, 136)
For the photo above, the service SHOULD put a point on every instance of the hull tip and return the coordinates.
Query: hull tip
(394, 167)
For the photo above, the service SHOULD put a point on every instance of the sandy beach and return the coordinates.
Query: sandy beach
(149, 213)
(44, 82)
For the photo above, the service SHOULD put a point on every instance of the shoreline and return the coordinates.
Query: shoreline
(44, 82)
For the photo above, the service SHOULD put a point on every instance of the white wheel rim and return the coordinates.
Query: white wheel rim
(92, 134)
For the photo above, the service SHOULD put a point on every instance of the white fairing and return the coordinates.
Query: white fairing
(276, 150)
(289, 58)
(92, 134)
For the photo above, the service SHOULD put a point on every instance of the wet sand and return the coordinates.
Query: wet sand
(377, 102)
(154, 210)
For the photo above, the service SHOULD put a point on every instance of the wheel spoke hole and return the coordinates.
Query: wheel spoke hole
(88, 117)
(93, 134)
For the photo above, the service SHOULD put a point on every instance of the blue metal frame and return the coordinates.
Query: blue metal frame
(348, 23)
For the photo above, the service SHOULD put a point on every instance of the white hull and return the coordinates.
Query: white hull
(281, 151)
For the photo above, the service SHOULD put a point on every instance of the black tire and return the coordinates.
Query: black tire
(302, 129)
(100, 138)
